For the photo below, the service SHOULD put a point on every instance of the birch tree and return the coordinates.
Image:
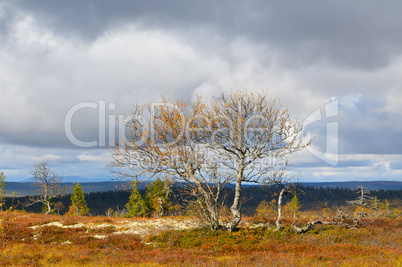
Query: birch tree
(208, 144)
(48, 185)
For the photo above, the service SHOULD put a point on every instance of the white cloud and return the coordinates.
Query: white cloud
(46, 157)
(394, 101)
(104, 157)
(371, 157)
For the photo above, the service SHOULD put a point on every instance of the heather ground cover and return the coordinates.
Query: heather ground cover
(37, 240)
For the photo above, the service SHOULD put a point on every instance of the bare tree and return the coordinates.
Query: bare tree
(279, 219)
(253, 137)
(164, 149)
(48, 185)
(287, 189)
(240, 137)
(362, 201)
(59, 206)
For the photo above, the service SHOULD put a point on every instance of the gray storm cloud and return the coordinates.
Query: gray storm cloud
(56, 54)
(358, 34)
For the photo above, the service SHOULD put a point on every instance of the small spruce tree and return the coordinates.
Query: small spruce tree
(136, 205)
(385, 206)
(78, 203)
(375, 205)
(157, 197)
(294, 205)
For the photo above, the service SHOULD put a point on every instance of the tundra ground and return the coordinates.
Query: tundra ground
(29, 239)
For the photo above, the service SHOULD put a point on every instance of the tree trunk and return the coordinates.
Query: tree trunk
(49, 208)
(310, 226)
(278, 221)
(214, 220)
(161, 208)
(235, 208)
(210, 209)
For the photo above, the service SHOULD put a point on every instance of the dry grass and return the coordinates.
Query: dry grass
(36, 240)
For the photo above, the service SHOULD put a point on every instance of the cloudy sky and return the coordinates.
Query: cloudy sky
(57, 56)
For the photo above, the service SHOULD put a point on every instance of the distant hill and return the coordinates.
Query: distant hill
(370, 185)
(68, 179)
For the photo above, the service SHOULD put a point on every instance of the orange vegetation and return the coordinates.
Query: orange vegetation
(34, 239)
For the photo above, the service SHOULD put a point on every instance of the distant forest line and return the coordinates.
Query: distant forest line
(310, 197)
(27, 189)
